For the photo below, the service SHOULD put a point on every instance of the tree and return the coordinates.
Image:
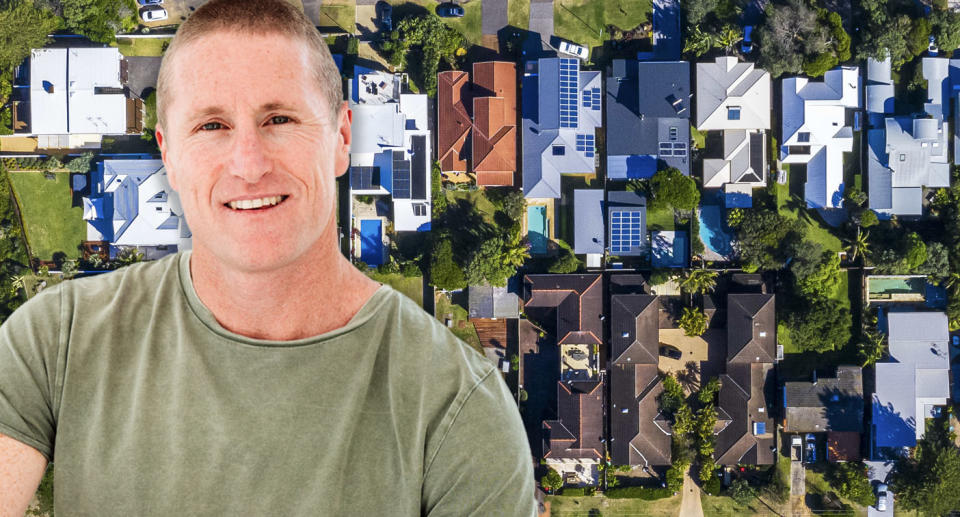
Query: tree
(69, 268)
(566, 262)
(675, 475)
(915, 251)
(741, 492)
(698, 10)
(436, 41)
(98, 20)
(818, 65)
(822, 324)
(794, 33)
(693, 322)
(24, 26)
(871, 348)
(822, 279)
(683, 420)
(698, 281)
(551, 480)
(850, 480)
(919, 36)
(445, 273)
(670, 187)
(859, 245)
(80, 163)
(928, 482)
(946, 29)
(884, 32)
(708, 393)
(868, 218)
(672, 397)
(762, 237)
(937, 263)
(487, 266)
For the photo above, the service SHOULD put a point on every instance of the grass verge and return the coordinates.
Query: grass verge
(148, 47)
(50, 223)
(585, 21)
(339, 13)
(592, 505)
(518, 13)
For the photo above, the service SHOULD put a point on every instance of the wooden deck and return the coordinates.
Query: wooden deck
(492, 333)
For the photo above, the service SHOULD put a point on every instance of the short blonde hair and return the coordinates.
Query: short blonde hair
(260, 17)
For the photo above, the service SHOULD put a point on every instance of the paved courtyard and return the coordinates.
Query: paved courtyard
(707, 352)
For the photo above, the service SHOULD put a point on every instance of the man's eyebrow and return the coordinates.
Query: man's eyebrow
(217, 110)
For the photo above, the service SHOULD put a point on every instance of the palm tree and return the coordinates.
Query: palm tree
(859, 246)
(16, 284)
(698, 281)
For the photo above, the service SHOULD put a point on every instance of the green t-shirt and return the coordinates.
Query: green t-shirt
(150, 407)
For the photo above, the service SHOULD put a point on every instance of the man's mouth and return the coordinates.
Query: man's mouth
(256, 204)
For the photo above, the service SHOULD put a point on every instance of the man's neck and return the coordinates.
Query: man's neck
(318, 293)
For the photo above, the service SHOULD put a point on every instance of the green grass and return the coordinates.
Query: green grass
(582, 21)
(790, 205)
(518, 13)
(462, 327)
(699, 138)
(339, 13)
(50, 223)
(840, 294)
(412, 287)
(470, 25)
(582, 506)
(817, 485)
(140, 46)
(660, 219)
(476, 198)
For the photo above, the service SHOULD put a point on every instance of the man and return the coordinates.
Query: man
(261, 373)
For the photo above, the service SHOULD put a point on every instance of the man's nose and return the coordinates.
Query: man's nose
(249, 154)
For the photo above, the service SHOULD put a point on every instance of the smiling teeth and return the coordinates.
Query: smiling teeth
(250, 204)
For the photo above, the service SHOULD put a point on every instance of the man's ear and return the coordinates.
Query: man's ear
(162, 143)
(344, 122)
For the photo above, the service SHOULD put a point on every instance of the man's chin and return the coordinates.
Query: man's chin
(263, 256)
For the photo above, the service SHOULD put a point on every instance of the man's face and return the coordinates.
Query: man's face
(251, 150)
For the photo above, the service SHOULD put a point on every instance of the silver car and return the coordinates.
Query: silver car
(882, 497)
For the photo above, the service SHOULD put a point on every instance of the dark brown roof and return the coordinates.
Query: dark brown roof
(744, 393)
(571, 304)
(453, 120)
(843, 446)
(634, 332)
(751, 328)
(638, 436)
(578, 429)
(832, 404)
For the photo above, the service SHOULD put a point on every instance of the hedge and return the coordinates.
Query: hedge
(639, 492)
(577, 491)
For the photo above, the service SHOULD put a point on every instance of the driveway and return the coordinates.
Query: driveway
(494, 15)
(707, 352)
(690, 501)
(667, 44)
(541, 20)
(142, 73)
(873, 512)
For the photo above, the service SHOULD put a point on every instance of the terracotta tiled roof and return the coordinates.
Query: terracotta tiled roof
(453, 120)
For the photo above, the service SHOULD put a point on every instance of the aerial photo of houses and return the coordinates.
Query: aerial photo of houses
(712, 246)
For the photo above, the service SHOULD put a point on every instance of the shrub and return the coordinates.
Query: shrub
(639, 492)
(410, 269)
(551, 480)
(578, 491)
(675, 475)
(741, 492)
(660, 276)
(566, 262)
(712, 486)
(819, 65)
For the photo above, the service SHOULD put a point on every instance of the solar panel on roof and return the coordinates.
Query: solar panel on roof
(401, 176)
(569, 72)
(626, 231)
(419, 172)
(364, 178)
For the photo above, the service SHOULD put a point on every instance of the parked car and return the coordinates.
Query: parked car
(671, 352)
(385, 15)
(932, 48)
(882, 497)
(572, 48)
(153, 14)
(956, 340)
(746, 46)
(150, 2)
(449, 10)
(811, 448)
(796, 448)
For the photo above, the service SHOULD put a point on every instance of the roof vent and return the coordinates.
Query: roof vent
(763, 333)
(625, 334)
(625, 410)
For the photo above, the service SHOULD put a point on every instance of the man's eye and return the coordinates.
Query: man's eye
(207, 126)
(279, 119)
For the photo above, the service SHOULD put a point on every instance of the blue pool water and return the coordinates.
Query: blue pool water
(537, 228)
(714, 233)
(371, 242)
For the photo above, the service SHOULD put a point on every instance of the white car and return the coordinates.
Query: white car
(153, 14)
(882, 497)
(572, 48)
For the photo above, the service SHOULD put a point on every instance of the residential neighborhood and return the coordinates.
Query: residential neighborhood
(711, 246)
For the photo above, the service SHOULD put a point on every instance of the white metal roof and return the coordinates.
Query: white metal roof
(727, 83)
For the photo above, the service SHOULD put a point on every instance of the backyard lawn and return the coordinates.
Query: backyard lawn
(140, 46)
(50, 223)
(339, 13)
(461, 326)
(660, 219)
(588, 506)
(410, 286)
(518, 13)
(840, 294)
(585, 21)
(476, 198)
(793, 207)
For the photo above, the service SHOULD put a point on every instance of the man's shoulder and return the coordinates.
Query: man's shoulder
(140, 280)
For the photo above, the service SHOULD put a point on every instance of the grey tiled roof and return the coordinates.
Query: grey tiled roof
(830, 404)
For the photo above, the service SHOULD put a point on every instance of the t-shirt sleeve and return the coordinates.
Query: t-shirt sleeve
(483, 464)
(29, 350)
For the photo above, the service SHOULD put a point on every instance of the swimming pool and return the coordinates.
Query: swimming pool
(371, 242)
(897, 285)
(714, 234)
(537, 228)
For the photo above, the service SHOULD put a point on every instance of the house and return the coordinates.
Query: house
(561, 112)
(621, 221)
(488, 302)
(76, 97)
(912, 382)
(648, 118)
(131, 205)
(880, 91)
(832, 405)
(390, 149)
(815, 132)
(745, 428)
(639, 434)
(483, 113)
(570, 309)
(734, 98)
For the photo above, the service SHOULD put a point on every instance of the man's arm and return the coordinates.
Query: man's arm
(21, 469)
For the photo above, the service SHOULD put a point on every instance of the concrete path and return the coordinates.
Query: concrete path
(798, 478)
(494, 15)
(690, 501)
